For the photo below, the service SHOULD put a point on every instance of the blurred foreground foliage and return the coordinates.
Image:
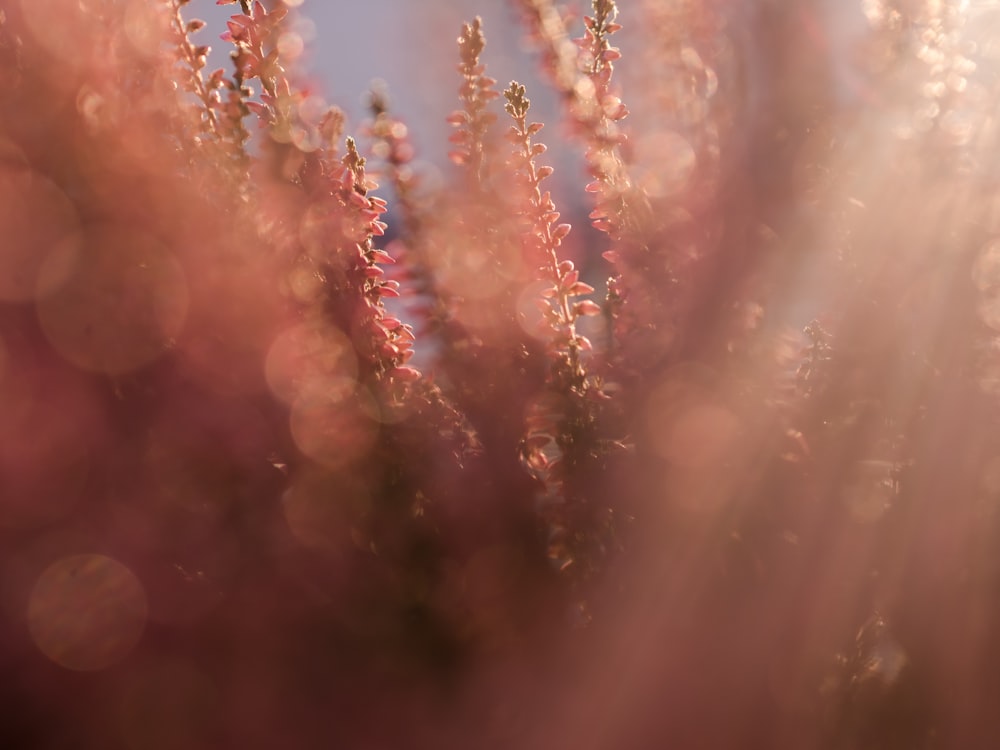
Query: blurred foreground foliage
(287, 464)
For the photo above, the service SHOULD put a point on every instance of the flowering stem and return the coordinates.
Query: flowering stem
(546, 234)
(194, 57)
(472, 121)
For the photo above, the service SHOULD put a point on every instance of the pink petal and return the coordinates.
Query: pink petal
(408, 374)
(579, 288)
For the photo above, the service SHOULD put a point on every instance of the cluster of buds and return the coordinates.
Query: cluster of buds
(544, 238)
(256, 55)
(227, 102)
(388, 340)
(250, 32)
(582, 70)
(599, 120)
(472, 122)
(194, 58)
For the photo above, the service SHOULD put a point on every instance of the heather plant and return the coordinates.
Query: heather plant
(562, 437)
(305, 446)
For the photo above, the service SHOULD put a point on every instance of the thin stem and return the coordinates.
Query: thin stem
(191, 56)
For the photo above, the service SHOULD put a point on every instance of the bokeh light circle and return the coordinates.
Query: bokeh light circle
(662, 147)
(308, 356)
(870, 490)
(67, 30)
(688, 423)
(145, 25)
(114, 302)
(333, 425)
(87, 612)
(36, 216)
